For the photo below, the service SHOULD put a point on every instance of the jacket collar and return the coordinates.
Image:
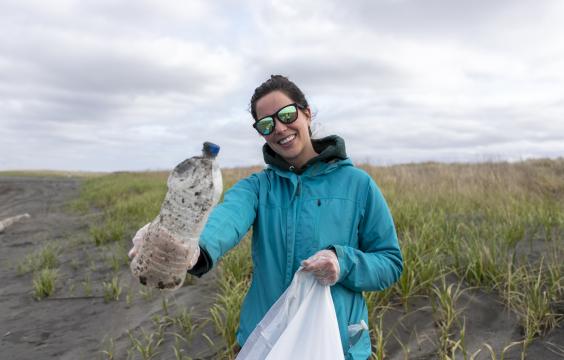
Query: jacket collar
(330, 150)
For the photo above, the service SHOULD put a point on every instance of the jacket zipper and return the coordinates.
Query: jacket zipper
(291, 251)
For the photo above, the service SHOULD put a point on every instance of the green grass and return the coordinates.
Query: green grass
(146, 345)
(185, 323)
(475, 221)
(44, 283)
(234, 281)
(444, 300)
(109, 348)
(44, 258)
(172, 323)
(117, 257)
(494, 226)
(126, 201)
(43, 263)
(112, 289)
(87, 285)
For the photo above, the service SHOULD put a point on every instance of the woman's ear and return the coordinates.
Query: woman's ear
(307, 112)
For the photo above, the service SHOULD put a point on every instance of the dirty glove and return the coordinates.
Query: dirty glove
(161, 259)
(167, 243)
(138, 241)
(324, 265)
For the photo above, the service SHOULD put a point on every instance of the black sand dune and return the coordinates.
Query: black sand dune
(70, 324)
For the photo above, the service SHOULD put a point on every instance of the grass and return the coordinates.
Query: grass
(171, 323)
(112, 289)
(87, 285)
(43, 263)
(185, 323)
(126, 201)
(117, 257)
(146, 345)
(109, 348)
(473, 221)
(445, 297)
(147, 293)
(493, 226)
(44, 258)
(379, 335)
(234, 281)
(44, 283)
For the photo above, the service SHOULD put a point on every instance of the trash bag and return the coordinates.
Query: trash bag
(302, 324)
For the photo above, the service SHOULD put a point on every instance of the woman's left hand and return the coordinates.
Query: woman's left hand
(325, 267)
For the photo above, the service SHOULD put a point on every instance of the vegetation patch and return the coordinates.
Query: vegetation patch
(465, 230)
(44, 283)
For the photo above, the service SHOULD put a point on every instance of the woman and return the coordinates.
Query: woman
(309, 207)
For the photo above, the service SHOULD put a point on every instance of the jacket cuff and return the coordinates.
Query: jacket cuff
(331, 247)
(338, 249)
(203, 265)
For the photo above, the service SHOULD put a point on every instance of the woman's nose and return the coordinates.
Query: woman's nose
(280, 126)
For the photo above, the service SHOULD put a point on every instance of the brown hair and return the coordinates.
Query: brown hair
(278, 83)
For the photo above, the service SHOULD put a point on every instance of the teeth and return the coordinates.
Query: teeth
(287, 139)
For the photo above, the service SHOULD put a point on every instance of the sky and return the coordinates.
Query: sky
(107, 85)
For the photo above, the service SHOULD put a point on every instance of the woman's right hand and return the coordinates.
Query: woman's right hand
(177, 250)
(138, 240)
(162, 259)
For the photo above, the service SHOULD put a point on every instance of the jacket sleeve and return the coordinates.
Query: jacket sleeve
(228, 222)
(377, 263)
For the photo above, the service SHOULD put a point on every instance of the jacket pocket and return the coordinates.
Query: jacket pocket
(335, 223)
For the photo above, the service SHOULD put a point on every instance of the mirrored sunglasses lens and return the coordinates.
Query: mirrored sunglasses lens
(265, 126)
(288, 114)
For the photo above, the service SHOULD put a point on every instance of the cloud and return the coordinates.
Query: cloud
(104, 85)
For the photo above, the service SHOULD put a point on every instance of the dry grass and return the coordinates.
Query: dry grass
(493, 226)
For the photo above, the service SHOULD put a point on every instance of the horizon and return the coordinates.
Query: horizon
(358, 164)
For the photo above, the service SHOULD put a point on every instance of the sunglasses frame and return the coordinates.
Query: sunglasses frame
(276, 118)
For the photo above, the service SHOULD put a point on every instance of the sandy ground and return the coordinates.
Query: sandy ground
(73, 325)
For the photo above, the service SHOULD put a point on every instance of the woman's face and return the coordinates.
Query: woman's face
(291, 141)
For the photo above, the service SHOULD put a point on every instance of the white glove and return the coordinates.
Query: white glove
(138, 240)
(173, 245)
(160, 259)
(325, 267)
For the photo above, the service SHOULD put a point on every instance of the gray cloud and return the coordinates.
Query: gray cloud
(97, 85)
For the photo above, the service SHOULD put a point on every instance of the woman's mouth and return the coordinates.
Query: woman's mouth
(287, 140)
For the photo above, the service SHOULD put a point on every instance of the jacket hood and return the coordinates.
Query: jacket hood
(329, 148)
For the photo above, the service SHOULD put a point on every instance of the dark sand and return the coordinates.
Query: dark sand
(71, 325)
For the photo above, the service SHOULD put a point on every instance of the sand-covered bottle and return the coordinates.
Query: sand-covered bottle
(170, 242)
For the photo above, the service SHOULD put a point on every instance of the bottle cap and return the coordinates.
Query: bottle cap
(210, 149)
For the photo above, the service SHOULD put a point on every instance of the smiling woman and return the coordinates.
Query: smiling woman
(309, 209)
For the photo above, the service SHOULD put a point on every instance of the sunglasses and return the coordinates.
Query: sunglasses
(287, 115)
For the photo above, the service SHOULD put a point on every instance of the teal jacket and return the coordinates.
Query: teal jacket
(331, 204)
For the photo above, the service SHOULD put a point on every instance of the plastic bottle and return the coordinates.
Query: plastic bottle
(170, 243)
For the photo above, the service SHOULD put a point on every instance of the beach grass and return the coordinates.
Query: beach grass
(496, 227)
(44, 282)
(112, 289)
(44, 258)
(126, 201)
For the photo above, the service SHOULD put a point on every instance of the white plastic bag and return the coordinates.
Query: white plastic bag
(302, 324)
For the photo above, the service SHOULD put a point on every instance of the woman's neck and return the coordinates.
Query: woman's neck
(308, 154)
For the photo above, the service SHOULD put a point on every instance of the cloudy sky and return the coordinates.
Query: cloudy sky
(109, 85)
